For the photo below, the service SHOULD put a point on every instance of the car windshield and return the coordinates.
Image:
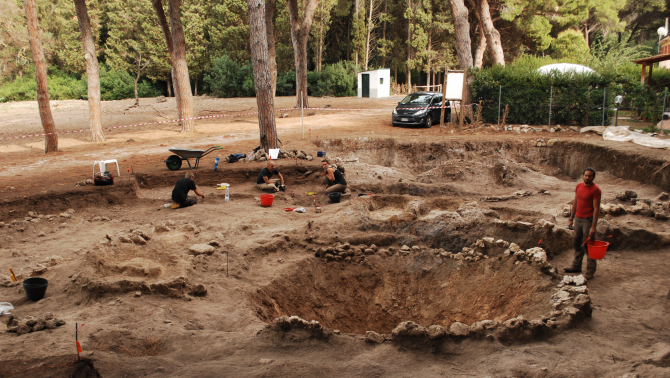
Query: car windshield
(417, 99)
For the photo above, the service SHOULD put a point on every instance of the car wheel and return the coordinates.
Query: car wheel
(429, 122)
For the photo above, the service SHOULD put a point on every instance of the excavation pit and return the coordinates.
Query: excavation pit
(424, 287)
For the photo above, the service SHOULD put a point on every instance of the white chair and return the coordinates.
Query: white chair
(102, 164)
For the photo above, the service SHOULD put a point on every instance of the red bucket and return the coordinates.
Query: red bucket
(597, 249)
(267, 199)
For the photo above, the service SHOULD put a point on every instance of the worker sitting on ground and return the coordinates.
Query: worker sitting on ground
(180, 192)
(263, 181)
(335, 181)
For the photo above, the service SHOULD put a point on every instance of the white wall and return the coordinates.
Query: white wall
(377, 89)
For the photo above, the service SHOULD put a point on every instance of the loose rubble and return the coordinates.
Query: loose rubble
(20, 326)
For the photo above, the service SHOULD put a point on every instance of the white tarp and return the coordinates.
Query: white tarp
(622, 134)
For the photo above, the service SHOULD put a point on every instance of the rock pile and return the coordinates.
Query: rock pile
(516, 195)
(133, 236)
(85, 182)
(345, 252)
(261, 155)
(29, 324)
(286, 323)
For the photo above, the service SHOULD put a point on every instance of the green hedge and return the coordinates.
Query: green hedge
(577, 99)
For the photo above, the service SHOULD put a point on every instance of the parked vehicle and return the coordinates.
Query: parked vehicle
(414, 110)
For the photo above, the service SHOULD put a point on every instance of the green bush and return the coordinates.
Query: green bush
(114, 85)
(61, 87)
(286, 83)
(228, 78)
(337, 79)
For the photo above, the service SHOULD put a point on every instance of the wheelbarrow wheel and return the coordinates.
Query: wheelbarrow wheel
(173, 162)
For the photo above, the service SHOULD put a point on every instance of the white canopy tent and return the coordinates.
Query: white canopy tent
(564, 67)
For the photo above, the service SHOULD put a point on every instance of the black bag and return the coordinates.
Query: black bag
(103, 178)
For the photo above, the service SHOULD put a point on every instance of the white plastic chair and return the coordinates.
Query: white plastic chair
(102, 164)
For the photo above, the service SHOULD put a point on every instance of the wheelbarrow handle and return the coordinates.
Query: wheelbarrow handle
(211, 149)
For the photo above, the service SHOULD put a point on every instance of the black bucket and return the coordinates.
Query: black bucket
(35, 288)
(335, 197)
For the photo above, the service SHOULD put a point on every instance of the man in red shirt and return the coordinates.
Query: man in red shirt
(586, 208)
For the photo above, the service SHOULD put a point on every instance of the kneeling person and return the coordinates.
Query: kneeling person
(181, 189)
(335, 181)
(263, 181)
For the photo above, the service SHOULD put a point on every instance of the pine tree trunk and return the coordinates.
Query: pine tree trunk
(463, 43)
(428, 68)
(299, 36)
(409, 52)
(357, 11)
(180, 67)
(162, 21)
(51, 139)
(262, 74)
(195, 85)
(169, 87)
(492, 35)
(270, 6)
(367, 38)
(92, 72)
(481, 49)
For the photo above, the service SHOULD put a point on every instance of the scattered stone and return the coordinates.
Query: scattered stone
(201, 249)
(574, 280)
(124, 239)
(663, 197)
(42, 234)
(459, 329)
(138, 239)
(137, 294)
(436, 332)
(625, 195)
(408, 329)
(373, 337)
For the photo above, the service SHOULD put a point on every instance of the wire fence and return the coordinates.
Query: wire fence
(565, 106)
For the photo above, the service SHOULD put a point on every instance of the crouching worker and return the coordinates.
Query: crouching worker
(263, 181)
(180, 192)
(335, 181)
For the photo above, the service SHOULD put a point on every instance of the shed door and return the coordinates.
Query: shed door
(366, 85)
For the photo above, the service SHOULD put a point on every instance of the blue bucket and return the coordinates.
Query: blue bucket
(321, 154)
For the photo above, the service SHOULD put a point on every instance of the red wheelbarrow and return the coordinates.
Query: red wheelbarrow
(173, 162)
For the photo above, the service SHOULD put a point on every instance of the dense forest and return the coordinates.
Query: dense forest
(416, 39)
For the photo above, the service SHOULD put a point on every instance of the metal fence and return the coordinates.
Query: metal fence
(560, 105)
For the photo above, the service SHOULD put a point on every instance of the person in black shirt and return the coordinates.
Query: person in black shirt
(335, 181)
(263, 181)
(181, 189)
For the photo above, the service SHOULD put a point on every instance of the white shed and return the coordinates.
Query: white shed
(375, 83)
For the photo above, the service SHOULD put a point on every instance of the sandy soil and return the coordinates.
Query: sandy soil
(145, 309)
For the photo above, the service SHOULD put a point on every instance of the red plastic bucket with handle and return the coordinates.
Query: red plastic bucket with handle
(267, 199)
(597, 249)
